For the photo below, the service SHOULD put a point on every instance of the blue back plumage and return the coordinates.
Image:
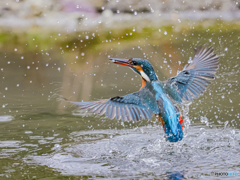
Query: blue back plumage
(169, 114)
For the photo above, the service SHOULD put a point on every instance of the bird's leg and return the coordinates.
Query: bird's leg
(180, 120)
(159, 118)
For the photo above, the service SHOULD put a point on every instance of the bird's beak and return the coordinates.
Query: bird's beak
(123, 62)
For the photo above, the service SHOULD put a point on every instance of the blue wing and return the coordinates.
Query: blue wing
(190, 83)
(126, 108)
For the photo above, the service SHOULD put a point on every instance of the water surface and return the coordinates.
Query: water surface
(43, 136)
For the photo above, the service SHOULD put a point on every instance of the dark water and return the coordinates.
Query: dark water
(43, 136)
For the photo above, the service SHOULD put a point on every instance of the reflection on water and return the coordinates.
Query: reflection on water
(42, 136)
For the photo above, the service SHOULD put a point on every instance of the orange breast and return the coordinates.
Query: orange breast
(139, 68)
(143, 83)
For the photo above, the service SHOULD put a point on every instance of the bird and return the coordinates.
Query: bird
(161, 98)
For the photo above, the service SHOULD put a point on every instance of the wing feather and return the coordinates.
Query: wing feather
(134, 116)
(122, 111)
(139, 111)
(126, 108)
(128, 113)
(113, 113)
(137, 114)
(103, 111)
(195, 78)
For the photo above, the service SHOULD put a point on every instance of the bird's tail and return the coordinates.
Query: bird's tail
(174, 137)
(169, 135)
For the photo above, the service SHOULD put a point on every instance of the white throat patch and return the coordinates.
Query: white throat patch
(143, 74)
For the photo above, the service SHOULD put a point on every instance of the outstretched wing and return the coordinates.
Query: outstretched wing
(126, 108)
(194, 79)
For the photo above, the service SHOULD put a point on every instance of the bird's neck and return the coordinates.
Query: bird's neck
(150, 73)
(152, 77)
(149, 76)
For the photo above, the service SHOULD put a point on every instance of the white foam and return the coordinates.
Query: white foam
(6, 118)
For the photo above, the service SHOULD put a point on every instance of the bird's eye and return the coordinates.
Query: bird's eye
(133, 63)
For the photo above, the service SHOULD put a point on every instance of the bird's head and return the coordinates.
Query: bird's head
(141, 66)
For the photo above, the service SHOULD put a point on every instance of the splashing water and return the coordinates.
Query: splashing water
(143, 151)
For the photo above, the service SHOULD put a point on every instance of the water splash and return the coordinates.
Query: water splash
(143, 152)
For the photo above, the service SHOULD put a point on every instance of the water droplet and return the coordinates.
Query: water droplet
(28, 132)
(165, 32)
(82, 54)
(15, 49)
(28, 67)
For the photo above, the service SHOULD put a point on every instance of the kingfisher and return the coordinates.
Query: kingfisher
(160, 98)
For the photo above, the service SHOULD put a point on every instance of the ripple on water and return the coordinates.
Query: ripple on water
(9, 148)
(143, 152)
(6, 118)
